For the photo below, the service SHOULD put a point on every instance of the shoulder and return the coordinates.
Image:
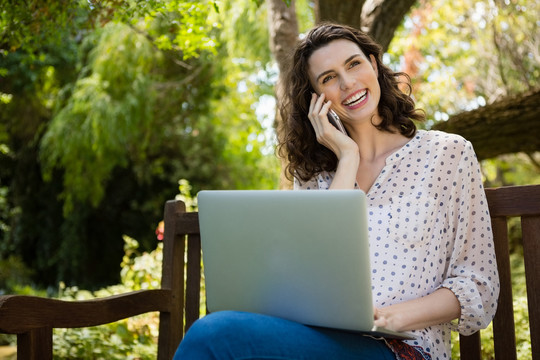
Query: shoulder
(441, 141)
(441, 137)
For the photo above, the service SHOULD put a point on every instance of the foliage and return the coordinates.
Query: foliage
(107, 119)
(245, 65)
(244, 32)
(305, 15)
(4, 210)
(184, 194)
(512, 169)
(28, 24)
(481, 50)
(103, 116)
(118, 106)
(465, 54)
(136, 95)
(14, 275)
(133, 338)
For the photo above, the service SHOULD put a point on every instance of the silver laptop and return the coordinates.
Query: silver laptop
(298, 255)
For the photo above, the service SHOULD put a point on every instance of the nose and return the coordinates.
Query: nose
(346, 82)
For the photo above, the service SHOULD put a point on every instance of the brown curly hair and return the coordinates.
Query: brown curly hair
(307, 157)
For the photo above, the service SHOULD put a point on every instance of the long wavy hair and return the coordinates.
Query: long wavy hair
(297, 141)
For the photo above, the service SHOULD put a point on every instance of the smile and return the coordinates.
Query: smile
(355, 98)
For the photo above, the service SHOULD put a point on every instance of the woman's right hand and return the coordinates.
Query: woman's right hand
(326, 133)
(341, 144)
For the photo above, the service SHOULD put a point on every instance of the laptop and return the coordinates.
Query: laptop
(298, 255)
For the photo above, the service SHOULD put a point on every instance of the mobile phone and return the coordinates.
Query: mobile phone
(334, 120)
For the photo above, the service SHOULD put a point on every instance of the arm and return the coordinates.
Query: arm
(472, 272)
(438, 307)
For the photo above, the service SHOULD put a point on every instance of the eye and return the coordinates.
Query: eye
(327, 78)
(354, 63)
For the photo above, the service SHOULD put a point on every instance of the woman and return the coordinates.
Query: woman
(431, 247)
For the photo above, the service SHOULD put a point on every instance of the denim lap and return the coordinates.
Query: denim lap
(242, 336)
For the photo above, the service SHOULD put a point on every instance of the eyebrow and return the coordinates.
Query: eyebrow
(345, 62)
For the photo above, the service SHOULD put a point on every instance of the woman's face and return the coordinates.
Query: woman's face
(347, 77)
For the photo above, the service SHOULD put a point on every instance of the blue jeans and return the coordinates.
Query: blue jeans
(240, 335)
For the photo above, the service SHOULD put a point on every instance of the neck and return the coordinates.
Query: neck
(375, 145)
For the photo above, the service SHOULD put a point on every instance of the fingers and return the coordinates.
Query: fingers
(318, 113)
(326, 133)
(379, 319)
(314, 111)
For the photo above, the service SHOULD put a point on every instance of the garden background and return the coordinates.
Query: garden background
(109, 108)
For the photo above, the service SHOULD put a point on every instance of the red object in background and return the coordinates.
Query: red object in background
(159, 231)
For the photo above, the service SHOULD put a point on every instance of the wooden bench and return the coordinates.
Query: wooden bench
(33, 318)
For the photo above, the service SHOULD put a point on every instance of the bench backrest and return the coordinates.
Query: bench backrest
(178, 301)
(504, 202)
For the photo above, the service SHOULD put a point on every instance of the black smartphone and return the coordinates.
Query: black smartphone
(334, 120)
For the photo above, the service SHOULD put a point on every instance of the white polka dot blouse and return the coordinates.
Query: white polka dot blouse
(429, 227)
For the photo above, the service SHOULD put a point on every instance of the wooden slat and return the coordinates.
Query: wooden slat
(44, 312)
(193, 284)
(171, 324)
(469, 347)
(188, 223)
(530, 227)
(503, 323)
(514, 200)
(35, 345)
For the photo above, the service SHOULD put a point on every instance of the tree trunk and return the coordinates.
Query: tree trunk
(507, 126)
(283, 27)
(379, 18)
(343, 12)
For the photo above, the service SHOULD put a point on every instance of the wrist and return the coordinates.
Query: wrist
(351, 157)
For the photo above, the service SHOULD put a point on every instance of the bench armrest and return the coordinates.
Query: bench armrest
(40, 312)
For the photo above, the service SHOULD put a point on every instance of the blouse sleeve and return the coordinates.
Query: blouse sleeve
(472, 272)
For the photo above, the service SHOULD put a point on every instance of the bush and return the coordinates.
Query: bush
(133, 338)
(14, 276)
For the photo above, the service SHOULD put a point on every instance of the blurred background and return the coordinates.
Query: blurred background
(109, 108)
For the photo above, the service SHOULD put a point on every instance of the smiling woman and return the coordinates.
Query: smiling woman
(413, 180)
(345, 67)
(347, 77)
(430, 242)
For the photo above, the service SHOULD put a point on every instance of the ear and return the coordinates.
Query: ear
(374, 64)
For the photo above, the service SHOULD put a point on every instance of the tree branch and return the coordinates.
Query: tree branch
(506, 126)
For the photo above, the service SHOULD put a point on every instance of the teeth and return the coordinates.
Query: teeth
(356, 98)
